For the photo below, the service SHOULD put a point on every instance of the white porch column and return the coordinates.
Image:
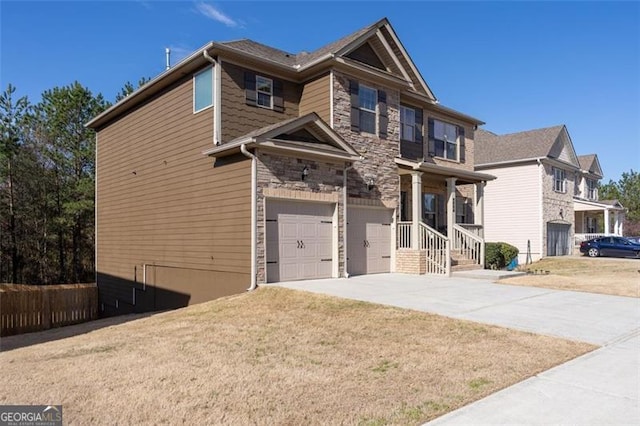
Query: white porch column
(622, 215)
(416, 208)
(451, 205)
(478, 216)
(606, 222)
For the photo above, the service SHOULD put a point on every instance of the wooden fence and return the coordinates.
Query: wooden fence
(28, 308)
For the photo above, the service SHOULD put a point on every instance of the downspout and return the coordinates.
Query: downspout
(254, 213)
(541, 212)
(217, 104)
(344, 216)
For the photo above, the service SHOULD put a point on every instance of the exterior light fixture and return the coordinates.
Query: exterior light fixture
(305, 172)
(370, 182)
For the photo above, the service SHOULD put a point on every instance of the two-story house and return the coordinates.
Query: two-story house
(594, 217)
(544, 192)
(244, 164)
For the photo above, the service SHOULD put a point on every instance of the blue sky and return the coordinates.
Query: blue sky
(515, 65)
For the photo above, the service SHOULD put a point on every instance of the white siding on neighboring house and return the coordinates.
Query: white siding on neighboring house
(513, 216)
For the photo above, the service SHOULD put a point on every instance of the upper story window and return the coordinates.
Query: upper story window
(410, 124)
(368, 109)
(263, 92)
(592, 189)
(446, 140)
(264, 89)
(203, 89)
(368, 98)
(576, 185)
(559, 180)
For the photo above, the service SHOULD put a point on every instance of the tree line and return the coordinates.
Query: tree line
(47, 181)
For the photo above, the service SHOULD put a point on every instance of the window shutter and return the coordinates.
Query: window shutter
(278, 96)
(355, 106)
(418, 130)
(432, 140)
(383, 122)
(461, 146)
(250, 88)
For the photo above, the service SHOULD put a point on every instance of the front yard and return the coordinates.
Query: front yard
(613, 276)
(274, 356)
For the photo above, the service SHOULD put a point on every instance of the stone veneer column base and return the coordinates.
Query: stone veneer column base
(409, 261)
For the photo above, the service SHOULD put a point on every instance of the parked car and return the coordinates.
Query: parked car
(610, 246)
(634, 239)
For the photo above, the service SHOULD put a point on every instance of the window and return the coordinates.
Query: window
(368, 99)
(264, 89)
(446, 140)
(592, 189)
(407, 124)
(203, 89)
(429, 209)
(404, 206)
(592, 225)
(462, 207)
(559, 180)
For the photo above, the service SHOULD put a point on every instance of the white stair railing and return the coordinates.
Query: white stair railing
(468, 244)
(437, 249)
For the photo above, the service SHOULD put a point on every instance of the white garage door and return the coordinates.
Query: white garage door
(368, 240)
(299, 240)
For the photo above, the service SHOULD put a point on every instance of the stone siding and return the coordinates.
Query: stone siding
(554, 203)
(379, 153)
(280, 176)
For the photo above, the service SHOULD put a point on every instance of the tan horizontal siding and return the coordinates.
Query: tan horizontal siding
(176, 210)
(238, 118)
(316, 97)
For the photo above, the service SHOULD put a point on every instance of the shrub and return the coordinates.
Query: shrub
(499, 255)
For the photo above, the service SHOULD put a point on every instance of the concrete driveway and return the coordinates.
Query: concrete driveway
(601, 387)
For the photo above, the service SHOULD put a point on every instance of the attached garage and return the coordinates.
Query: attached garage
(300, 240)
(558, 239)
(368, 240)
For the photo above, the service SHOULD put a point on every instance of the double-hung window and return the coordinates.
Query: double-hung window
(446, 140)
(559, 180)
(407, 124)
(368, 99)
(203, 89)
(264, 89)
(592, 189)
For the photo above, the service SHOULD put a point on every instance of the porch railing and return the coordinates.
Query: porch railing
(404, 235)
(477, 230)
(438, 250)
(468, 244)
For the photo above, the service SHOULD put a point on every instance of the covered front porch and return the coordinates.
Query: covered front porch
(597, 219)
(441, 225)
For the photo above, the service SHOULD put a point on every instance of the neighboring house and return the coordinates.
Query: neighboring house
(244, 164)
(594, 217)
(544, 193)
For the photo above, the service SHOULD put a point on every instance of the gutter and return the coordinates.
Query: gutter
(217, 110)
(254, 213)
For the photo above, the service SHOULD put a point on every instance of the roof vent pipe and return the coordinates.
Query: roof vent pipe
(167, 52)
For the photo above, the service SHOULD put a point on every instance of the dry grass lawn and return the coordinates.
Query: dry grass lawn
(274, 356)
(618, 277)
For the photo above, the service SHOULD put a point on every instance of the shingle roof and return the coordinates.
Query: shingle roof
(290, 59)
(586, 161)
(492, 148)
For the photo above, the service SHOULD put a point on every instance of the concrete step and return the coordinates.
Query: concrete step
(462, 261)
(465, 267)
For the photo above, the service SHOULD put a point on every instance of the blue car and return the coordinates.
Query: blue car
(610, 246)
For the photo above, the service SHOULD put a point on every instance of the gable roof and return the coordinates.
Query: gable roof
(296, 67)
(589, 163)
(549, 142)
(307, 134)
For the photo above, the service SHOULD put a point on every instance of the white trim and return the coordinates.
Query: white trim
(270, 80)
(95, 216)
(393, 56)
(335, 235)
(331, 98)
(217, 105)
(541, 174)
(193, 87)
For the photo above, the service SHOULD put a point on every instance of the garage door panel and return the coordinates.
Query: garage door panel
(303, 239)
(369, 240)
